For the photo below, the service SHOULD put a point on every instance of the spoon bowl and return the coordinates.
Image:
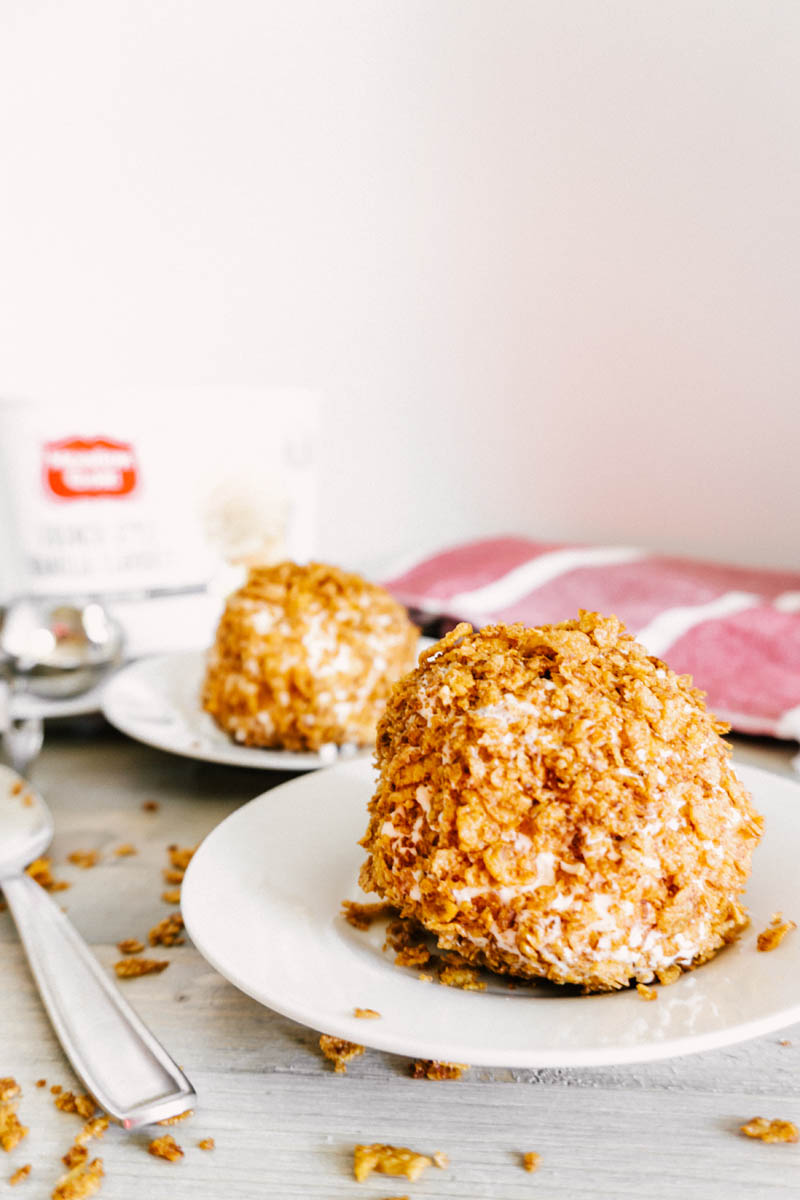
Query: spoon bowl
(26, 826)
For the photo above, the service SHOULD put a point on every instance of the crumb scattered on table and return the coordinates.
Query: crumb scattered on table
(339, 1051)
(784, 1042)
(95, 1128)
(180, 856)
(150, 806)
(367, 1014)
(431, 1069)
(83, 1105)
(131, 968)
(388, 1160)
(173, 896)
(12, 1131)
(40, 1083)
(84, 858)
(206, 1144)
(165, 1147)
(41, 871)
(130, 946)
(75, 1156)
(531, 1160)
(20, 1174)
(125, 850)
(776, 931)
(770, 1131)
(647, 993)
(361, 916)
(79, 1183)
(177, 1119)
(441, 1160)
(9, 1089)
(56, 1088)
(167, 931)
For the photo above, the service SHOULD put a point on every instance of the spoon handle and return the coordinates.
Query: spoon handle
(121, 1064)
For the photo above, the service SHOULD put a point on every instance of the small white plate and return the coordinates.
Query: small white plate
(261, 901)
(157, 701)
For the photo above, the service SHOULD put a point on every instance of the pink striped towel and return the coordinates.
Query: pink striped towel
(736, 630)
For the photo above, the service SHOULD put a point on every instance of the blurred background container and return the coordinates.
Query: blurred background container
(543, 258)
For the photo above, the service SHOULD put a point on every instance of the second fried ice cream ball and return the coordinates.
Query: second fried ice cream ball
(557, 803)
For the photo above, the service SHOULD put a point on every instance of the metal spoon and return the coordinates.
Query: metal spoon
(53, 651)
(120, 1062)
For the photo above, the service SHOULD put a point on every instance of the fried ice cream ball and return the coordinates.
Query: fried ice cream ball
(557, 803)
(305, 657)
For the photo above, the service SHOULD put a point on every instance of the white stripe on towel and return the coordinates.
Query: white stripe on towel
(665, 629)
(787, 602)
(531, 575)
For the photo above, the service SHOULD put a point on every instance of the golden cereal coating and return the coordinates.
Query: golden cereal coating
(305, 657)
(555, 802)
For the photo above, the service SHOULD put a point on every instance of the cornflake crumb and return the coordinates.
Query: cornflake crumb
(388, 1160)
(20, 1174)
(150, 806)
(130, 946)
(40, 871)
(531, 1160)
(41, 1083)
(339, 1051)
(84, 858)
(368, 1014)
(647, 993)
(431, 1069)
(180, 856)
(465, 978)
(92, 1129)
(9, 1089)
(180, 1117)
(440, 1159)
(125, 850)
(776, 931)
(784, 1042)
(79, 1183)
(56, 1089)
(408, 939)
(172, 897)
(17, 787)
(165, 1147)
(11, 1130)
(770, 1131)
(83, 1105)
(75, 1156)
(361, 916)
(206, 1144)
(131, 968)
(167, 931)
(424, 977)
(669, 975)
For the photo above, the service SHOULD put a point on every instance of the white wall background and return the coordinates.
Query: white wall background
(543, 256)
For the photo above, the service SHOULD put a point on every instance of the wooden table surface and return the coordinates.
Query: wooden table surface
(284, 1123)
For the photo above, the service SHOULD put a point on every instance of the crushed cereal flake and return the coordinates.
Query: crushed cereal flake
(206, 1144)
(776, 931)
(11, 1130)
(84, 858)
(131, 968)
(76, 1155)
(441, 1160)
(408, 939)
(339, 1051)
(180, 856)
(431, 1069)
(20, 1174)
(40, 1083)
(130, 946)
(367, 1014)
(176, 1120)
(56, 1089)
(465, 978)
(165, 1147)
(125, 850)
(9, 1089)
(172, 875)
(95, 1128)
(361, 916)
(388, 1160)
(40, 870)
(173, 896)
(81, 1182)
(83, 1105)
(647, 993)
(167, 931)
(150, 806)
(531, 1160)
(770, 1131)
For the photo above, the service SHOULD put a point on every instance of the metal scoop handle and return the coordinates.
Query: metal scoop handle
(121, 1064)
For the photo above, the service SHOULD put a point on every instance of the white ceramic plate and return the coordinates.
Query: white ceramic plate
(261, 901)
(157, 701)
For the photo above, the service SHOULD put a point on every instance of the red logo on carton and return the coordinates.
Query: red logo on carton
(82, 468)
